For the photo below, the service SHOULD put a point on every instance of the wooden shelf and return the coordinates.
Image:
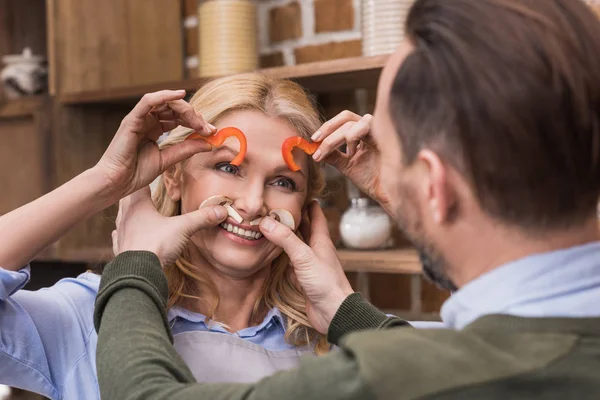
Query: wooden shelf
(23, 107)
(399, 261)
(324, 76)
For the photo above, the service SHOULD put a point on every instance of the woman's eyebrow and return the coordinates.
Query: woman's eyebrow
(284, 168)
(279, 170)
(227, 149)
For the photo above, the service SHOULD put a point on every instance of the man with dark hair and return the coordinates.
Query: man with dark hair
(485, 148)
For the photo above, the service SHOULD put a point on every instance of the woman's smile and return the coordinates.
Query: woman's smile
(241, 234)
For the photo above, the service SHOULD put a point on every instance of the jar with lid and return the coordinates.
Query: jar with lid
(365, 226)
(23, 75)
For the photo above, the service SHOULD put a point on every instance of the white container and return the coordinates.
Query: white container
(365, 226)
(383, 25)
(23, 75)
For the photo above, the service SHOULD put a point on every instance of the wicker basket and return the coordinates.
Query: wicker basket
(383, 25)
(228, 37)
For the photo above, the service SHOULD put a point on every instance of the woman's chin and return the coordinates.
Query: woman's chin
(233, 258)
(238, 267)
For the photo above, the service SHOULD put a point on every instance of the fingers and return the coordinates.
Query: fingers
(115, 242)
(202, 218)
(165, 115)
(142, 195)
(170, 110)
(339, 160)
(304, 227)
(188, 117)
(167, 126)
(151, 100)
(181, 151)
(298, 252)
(334, 124)
(319, 231)
(350, 132)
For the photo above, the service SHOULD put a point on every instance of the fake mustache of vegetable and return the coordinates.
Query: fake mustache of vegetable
(280, 215)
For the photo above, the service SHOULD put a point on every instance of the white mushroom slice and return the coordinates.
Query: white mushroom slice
(255, 221)
(234, 214)
(285, 217)
(218, 200)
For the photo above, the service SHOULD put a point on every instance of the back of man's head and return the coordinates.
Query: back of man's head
(508, 93)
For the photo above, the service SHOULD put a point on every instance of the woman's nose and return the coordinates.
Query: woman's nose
(251, 203)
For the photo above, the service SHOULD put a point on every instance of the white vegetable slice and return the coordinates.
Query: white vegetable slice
(284, 216)
(218, 200)
(234, 214)
(255, 221)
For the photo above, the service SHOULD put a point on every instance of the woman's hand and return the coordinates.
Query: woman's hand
(362, 160)
(316, 266)
(133, 158)
(141, 227)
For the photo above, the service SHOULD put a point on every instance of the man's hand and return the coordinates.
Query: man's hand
(362, 161)
(133, 158)
(141, 227)
(316, 266)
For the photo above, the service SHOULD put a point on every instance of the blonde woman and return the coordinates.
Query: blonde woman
(224, 280)
(234, 310)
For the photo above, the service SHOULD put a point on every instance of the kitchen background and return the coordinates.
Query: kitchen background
(73, 68)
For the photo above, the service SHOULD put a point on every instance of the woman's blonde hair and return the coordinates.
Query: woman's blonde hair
(276, 98)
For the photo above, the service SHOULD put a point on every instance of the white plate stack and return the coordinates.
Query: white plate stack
(228, 37)
(383, 25)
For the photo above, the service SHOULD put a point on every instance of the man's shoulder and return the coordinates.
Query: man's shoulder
(424, 362)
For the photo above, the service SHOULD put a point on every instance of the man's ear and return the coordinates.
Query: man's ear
(440, 194)
(172, 179)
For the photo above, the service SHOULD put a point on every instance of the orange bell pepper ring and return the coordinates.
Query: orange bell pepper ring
(288, 147)
(218, 138)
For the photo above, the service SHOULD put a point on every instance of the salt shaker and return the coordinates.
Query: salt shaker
(365, 225)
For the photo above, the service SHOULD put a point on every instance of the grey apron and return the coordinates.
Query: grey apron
(217, 357)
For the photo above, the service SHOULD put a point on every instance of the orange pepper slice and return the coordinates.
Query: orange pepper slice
(288, 147)
(218, 138)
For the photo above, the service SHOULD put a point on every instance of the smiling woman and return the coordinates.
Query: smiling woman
(230, 276)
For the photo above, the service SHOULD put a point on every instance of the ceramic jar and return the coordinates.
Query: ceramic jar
(23, 75)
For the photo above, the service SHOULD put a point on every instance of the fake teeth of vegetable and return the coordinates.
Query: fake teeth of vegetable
(283, 216)
(234, 214)
(241, 232)
(218, 200)
(226, 202)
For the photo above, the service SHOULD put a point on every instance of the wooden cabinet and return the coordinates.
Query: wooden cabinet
(80, 136)
(113, 43)
(25, 152)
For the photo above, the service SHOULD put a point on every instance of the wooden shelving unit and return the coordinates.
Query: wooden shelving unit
(324, 76)
(22, 107)
(399, 261)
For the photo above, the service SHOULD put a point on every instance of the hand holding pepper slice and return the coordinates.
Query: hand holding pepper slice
(218, 138)
(303, 144)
